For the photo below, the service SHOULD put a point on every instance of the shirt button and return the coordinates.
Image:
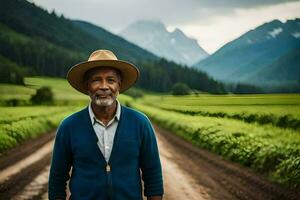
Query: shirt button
(106, 147)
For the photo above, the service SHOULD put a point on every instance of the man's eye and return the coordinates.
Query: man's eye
(111, 80)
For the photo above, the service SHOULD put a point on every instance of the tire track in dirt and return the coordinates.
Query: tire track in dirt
(178, 183)
(21, 168)
(36, 188)
(17, 185)
(222, 179)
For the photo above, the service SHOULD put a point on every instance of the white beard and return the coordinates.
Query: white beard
(104, 102)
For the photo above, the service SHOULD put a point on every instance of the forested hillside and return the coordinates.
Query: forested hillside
(43, 43)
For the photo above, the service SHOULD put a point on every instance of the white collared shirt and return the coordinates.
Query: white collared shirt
(105, 134)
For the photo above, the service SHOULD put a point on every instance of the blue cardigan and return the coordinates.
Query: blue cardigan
(135, 150)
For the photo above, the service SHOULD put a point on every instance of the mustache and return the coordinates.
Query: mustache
(101, 92)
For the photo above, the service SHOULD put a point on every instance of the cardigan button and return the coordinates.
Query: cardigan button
(108, 168)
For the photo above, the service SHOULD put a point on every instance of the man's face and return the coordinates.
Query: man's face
(103, 86)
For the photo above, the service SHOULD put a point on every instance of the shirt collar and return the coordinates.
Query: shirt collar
(94, 119)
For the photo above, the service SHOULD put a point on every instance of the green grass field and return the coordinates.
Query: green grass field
(259, 131)
(9, 91)
(21, 123)
(63, 92)
(18, 124)
(60, 87)
(282, 110)
(273, 103)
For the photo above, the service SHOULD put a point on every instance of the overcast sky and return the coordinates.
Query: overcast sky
(212, 23)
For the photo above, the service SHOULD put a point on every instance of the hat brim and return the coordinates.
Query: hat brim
(129, 73)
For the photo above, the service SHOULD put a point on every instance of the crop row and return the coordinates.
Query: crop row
(282, 121)
(18, 124)
(272, 151)
(228, 100)
(14, 114)
(17, 131)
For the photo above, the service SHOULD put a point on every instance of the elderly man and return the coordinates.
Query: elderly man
(110, 147)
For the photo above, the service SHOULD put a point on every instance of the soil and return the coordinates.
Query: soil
(189, 173)
(214, 177)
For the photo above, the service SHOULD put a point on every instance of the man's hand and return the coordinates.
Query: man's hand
(154, 198)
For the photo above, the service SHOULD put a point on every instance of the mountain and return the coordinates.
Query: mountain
(33, 21)
(283, 71)
(117, 43)
(175, 46)
(34, 41)
(265, 56)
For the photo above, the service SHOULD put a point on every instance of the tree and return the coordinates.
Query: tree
(242, 88)
(180, 89)
(44, 95)
(10, 72)
(134, 92)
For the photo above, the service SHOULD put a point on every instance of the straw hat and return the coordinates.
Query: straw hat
(102, 58)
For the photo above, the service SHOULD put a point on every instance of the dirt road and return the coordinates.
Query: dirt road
(189, 173)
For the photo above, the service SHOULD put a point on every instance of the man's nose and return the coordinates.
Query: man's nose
(103, 85)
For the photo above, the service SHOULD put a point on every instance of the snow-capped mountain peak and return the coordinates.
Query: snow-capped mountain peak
(154, 37)
(275, 32)
(296, 35)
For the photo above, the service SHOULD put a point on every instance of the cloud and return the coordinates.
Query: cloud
(115, 15)
(214, 35)
(212, 23)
